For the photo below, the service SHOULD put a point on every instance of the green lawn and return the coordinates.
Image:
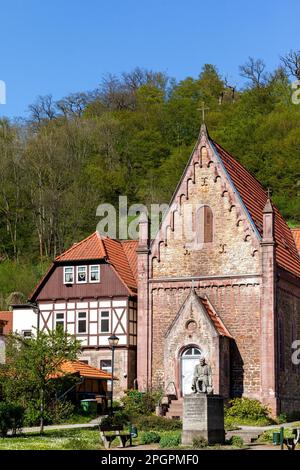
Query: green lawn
(66, 439)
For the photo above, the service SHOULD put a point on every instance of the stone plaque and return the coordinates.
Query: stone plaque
(203, 416)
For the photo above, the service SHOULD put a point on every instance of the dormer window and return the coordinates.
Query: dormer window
(68, 275)
(81, 274)
(95, 273)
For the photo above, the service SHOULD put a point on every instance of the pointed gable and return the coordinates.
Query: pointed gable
(120, 255)
(203, 305)
(249, 194)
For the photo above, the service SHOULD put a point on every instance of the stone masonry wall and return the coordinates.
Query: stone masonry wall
(232, 249)
(233, 252)
(121, 366)
(288, 316)
(239, 307)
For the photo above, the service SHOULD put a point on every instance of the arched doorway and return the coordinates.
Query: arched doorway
(189, 358)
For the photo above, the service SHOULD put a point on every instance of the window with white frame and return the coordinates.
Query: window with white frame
(104, 321)
(81, 322)
(81, 274)
(68, 275)
(60, 321)
(95, 273)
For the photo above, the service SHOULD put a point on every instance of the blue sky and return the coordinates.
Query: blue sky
(62, 46)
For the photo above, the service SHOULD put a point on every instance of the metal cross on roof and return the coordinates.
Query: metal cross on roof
(269, 193)
(203, 109)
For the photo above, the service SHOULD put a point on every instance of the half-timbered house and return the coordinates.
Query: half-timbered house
(90, 291)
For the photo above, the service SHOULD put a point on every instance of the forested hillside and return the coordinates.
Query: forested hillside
(132, 136)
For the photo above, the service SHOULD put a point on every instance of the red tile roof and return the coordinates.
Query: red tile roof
(254, 198)
(89, 248)
(130, 247)
(120, 254)
(116, 255)
(218, 324)
(7, 316)
(296, 235)
(84, 370)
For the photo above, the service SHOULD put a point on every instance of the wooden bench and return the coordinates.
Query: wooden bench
(109, 433)
(291, 442)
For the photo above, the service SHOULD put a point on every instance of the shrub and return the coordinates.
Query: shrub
(236, 441)
(157, 423)
(282, 418)
(136, 403)
(199, 443)
(246, 410)
(11, 418)
(170, 440)
(61, 411)
(150, 437)
(119, 418)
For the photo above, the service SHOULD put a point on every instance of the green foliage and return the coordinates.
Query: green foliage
(18, 279)
(11, 418)
(133, 138)
(199, 443)
(236, 441)
(157, 423)
(267, 436)
(63, 439)
(170, 439)
(61, 411)
(150, 437)
(136, 403)
(27, 377)
(119, 418)
(282, 418)
(247, 411)
(76, 443)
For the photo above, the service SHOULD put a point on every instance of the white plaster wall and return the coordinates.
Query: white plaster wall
(24, 319)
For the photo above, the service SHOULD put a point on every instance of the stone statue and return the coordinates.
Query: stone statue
(202, 380)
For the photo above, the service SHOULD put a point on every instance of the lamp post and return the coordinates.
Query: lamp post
(113, 343)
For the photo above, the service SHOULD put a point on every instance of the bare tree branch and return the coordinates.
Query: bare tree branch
(254, 70)
(291, 63)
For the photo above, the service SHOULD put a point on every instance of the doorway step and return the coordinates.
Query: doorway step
(175, 409)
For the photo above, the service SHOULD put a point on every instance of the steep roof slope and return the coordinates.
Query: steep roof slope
(296, 235)
(89, 248)
(84, 370)
(254, 198)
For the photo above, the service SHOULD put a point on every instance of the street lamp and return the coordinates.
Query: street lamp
(113, 343)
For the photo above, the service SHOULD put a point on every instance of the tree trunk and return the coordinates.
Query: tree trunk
(42, 397)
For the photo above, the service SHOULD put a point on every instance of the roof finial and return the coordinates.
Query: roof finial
(268, 209)
(203, 109)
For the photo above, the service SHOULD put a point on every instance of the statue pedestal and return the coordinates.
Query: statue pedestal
(203, 416)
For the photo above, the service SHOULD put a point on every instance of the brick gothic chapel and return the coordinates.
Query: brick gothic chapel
(223, 280)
